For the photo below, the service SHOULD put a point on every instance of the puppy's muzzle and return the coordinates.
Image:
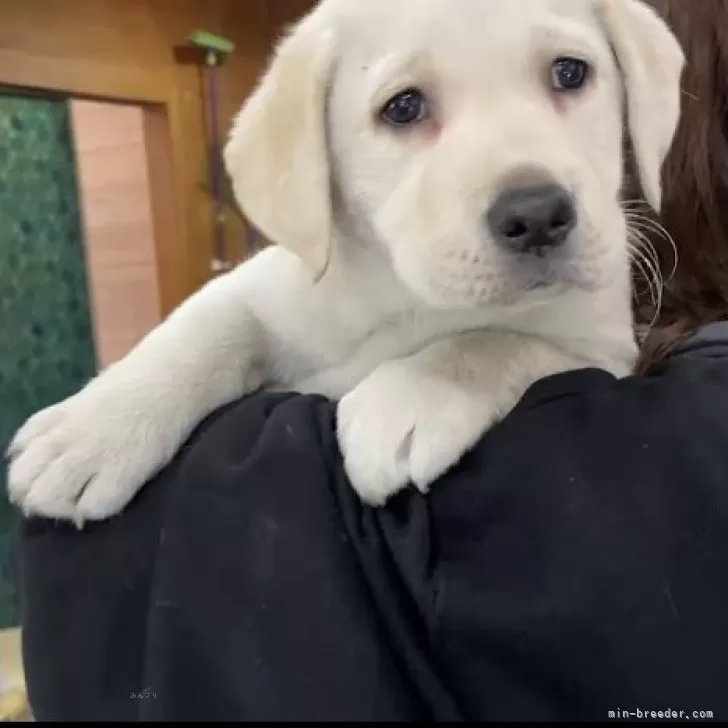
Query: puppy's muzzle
(532, 218)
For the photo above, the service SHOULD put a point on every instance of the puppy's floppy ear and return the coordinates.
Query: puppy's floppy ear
(651, 61)
(276, 154)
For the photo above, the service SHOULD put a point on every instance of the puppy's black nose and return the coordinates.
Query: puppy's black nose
(532, 219)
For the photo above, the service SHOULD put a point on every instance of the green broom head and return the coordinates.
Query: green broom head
(211, 42)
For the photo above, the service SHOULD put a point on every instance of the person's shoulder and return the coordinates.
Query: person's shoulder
(286, 423)
(586, 532)
(300, 430)
(589, 427)
(699, 365)
(574, 419)
(710, 341)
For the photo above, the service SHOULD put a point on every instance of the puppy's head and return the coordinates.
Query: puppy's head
(478, 142)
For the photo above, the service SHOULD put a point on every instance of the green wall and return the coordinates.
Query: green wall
(46, 344)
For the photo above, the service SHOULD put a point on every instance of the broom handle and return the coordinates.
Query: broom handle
(221, 262)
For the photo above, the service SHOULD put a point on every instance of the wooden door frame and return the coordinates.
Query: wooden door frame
(155, 92)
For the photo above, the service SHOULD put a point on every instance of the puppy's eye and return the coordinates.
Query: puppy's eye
(568, 74)
(405, 108)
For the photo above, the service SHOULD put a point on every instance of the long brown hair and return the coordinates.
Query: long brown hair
(695, 178)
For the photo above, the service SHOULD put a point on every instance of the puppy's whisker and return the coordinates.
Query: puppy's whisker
(644, 250)
(647, 265)
(640, 234)
(659, 228)
(647, 272)
(637, 221)
(638, 258)
(639, 266)
(646, 247)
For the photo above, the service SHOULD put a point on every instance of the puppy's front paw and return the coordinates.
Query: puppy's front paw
(401, 426)
(84, 458)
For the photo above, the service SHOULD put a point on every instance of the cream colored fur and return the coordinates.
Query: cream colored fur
(384, 289)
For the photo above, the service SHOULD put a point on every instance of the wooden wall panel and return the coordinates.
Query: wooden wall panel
(116, 202)
(128, 50)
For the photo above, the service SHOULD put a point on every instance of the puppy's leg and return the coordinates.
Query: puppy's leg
(86, 457)
(413, 418)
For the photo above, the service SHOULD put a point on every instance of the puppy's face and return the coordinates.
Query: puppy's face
(481, 142)
(478, 142)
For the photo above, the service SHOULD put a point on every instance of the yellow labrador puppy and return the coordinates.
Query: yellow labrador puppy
(442, 181)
